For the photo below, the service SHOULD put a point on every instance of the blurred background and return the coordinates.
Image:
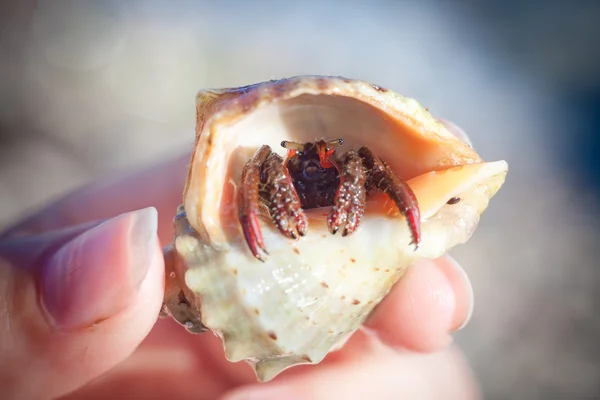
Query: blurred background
(95, 88)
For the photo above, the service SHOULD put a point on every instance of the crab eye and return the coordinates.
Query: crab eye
(292, 146)
(334, 143)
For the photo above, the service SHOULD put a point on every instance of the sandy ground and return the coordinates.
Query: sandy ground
(92, 89)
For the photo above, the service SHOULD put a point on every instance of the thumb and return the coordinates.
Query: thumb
(74, 303)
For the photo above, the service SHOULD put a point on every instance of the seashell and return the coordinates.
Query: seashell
(309, 295)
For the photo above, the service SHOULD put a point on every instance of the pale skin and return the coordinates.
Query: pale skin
(105, 339)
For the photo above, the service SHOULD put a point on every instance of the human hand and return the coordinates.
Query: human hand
(81, 289)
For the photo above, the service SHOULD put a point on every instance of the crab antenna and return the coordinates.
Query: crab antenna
(292, 146)
(335, 143)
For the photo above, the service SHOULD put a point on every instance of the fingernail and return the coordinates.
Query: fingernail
(465, 299)
(93, 277)
(456, 131)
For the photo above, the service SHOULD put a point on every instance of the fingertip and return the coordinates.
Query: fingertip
(418, 312)
(95, 276)
(463, 291)
(141, 260)
(456, 131)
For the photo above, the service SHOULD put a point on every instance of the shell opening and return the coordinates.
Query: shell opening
(230, 137)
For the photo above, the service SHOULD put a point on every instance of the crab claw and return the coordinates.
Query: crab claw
(349, 203)
(286, 212)
(413, 216)
(249, 201)
(285, 208)
(253, 235)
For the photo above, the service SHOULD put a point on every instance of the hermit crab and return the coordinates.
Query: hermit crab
(310, 178)
(305, 201)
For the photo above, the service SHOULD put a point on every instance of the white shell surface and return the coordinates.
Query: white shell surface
(311, 294)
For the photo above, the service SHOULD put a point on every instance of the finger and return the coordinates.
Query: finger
(463, 292)
(76, 303)
(456, 130)
(377, 373)
(432, 299)
(160, 186)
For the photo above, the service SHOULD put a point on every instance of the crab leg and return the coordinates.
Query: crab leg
(383, 178)
(249, 201)
(284, 205)
(349, 202)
